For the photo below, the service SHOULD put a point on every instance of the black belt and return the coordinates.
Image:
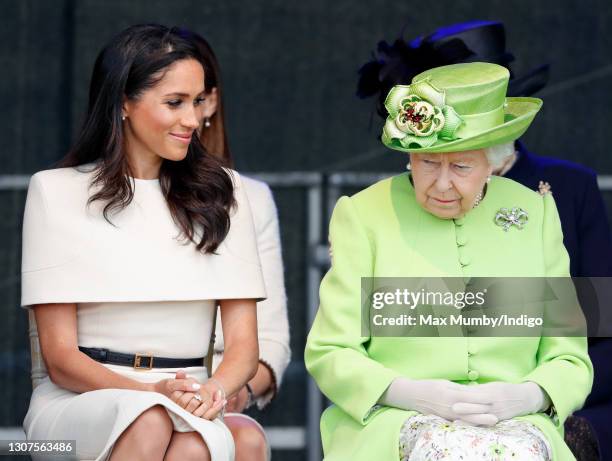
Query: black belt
(139, 361)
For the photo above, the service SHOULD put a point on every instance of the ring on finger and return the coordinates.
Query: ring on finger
(198, 397)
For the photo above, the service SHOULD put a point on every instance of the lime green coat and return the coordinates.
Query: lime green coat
(383, 232)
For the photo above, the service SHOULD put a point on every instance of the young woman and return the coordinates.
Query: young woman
(127, 250)
(272, 323)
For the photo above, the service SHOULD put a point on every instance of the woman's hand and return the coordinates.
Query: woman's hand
(439, 397)
(211, 409)
(238, 402)
(202, 400)
(506, 400)
(176, 388)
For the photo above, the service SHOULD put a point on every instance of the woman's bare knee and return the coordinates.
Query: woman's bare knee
(146, 438)
(155, 421)
(187, 446)
(249, 440)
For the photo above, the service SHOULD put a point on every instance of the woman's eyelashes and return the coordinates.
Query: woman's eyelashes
(462, 167)
(175, 103)
(430, 163)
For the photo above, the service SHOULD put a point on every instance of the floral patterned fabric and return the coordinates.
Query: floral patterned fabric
(431, 438)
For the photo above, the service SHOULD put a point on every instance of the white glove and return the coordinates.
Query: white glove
(506, 400)
(437, 397)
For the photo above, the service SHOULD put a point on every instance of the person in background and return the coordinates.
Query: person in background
(586, 231)
(272, 322)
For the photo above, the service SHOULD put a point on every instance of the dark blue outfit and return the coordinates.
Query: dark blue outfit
(587, 238)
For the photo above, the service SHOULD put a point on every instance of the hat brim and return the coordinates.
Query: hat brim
(518, 115)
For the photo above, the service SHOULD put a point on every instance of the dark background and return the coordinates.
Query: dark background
(289, 71)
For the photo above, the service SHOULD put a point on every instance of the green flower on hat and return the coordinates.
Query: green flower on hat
(418, 116)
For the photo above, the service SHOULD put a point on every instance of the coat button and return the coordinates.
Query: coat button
(465, 260)
(461, 240)
(473, 375)
(459, 221)
(472, 350)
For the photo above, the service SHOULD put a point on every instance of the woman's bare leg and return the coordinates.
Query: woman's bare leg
(146, 439)
(249, 440)
(187, 446)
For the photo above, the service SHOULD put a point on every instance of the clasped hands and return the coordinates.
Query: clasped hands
(480, 405)
(202, 400)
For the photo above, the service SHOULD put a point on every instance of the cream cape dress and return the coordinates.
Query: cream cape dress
(139, 288)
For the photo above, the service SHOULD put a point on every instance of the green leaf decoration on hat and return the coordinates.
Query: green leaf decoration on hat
(418, 116)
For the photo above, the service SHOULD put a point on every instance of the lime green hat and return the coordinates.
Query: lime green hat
(456, 108)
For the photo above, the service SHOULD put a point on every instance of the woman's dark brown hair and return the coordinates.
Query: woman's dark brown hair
(214, 137)
(198, 190)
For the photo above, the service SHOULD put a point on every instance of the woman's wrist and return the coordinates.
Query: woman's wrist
(219, 386)
(250, 396)
(263, 382)
(541, 400)
(149, 387)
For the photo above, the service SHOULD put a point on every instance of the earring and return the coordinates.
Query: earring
(408, 167)
(478, 199)
(123, 118)
(488, 179)
(207, 122)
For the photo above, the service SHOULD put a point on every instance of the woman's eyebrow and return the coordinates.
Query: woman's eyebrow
(183, 95)
(464, 159)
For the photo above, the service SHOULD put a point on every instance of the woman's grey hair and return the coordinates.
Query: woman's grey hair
(498, 154)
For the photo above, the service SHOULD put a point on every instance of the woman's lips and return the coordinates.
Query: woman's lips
(184, 138)
(445, 202)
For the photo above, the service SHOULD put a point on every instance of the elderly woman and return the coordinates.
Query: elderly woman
(462, 397)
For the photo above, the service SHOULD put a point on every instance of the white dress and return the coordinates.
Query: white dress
(138, 289)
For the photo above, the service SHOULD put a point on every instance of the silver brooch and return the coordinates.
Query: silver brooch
(515, 216)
